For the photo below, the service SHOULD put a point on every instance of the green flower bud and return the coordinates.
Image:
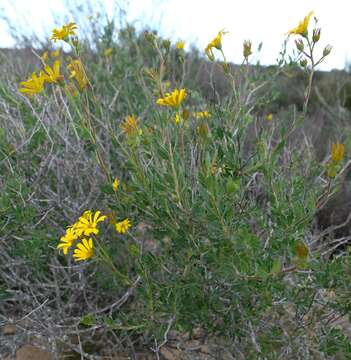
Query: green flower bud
(299, 45)
(316, 35)
(303, 63)
(327, 50)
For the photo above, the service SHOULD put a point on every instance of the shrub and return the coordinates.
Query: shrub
(205, 208)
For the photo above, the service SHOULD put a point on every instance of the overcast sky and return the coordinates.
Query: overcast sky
(198, 21)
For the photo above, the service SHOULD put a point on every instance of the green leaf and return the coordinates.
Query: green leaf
(276, 267)
(88, 320)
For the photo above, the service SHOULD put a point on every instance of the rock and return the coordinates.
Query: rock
(30, 352)
(9, 329)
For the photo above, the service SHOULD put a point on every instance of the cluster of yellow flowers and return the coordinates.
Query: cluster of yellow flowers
(86, 225)
(174, 100)
(301, 29)
(35, 84)
(81, 232)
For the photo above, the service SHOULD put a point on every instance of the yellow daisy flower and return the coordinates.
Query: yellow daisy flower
(215, 43)
(301, 28)
(123, 226)
(130, 125)
(52, 75)
(174, 99)
(115, 184)
(338, 152)
(88, 222)
(180, 44)
(64, 32)
(32, 86)
(78, 73)
(67, 240)
(84, 250)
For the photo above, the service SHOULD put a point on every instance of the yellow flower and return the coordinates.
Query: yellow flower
(108, 52)
(201, 114)
(52, 75)
(67, 240)
(269, 117)
(56, 53)
(87, 223)
(180, 44)
(64, 32)
(123, 226)
(78, 73)
(338, 152)
(115, 184)
(84, 250)
(130, 126)
(215, 43)
(32, 86)
(174, 99)
(177, 119)
(301, 28)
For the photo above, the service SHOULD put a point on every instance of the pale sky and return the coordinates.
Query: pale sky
(197, 22)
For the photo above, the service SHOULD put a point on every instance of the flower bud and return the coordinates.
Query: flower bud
(166, 44)
(185, 114)
(247, 49)
(150, 37)
(226, 68)
(299, 45)
(75, 42)
(180, 45)
(316, 35)
(303, 63)
(203, 130)
(327, 50)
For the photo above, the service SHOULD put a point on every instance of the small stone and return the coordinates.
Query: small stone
(198, 333)
(30, 352)
(171, 354)
(9, 329)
